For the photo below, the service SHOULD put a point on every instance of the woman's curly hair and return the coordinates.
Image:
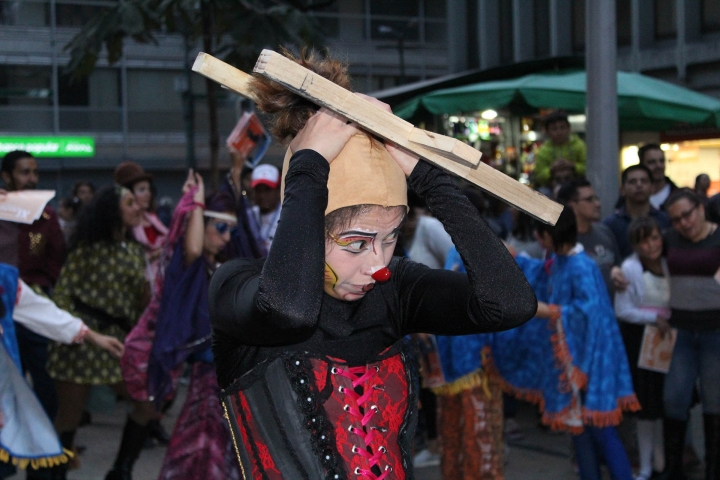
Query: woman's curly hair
(290, 111)
(100, 220)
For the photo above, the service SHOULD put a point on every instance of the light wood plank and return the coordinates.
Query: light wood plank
(226, 75)
(325, 93)
(449, 147)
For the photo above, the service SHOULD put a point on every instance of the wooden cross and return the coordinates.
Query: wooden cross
(447, 153)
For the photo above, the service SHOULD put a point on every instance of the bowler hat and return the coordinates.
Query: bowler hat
(129, 173)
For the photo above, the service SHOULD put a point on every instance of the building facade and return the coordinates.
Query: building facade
(135, 108)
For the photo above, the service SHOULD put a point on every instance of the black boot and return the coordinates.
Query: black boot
(712, 446)
(133, 440)
(158, 432)
(674, 435)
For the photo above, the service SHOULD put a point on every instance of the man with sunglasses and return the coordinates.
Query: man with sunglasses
(596, 238)
(636, 188)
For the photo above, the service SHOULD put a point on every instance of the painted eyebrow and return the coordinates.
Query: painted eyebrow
(358, 233)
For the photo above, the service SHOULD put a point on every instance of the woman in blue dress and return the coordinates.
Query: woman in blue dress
(570, 359)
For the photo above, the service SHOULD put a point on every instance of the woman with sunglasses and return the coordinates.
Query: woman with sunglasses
(175, 330)
(308, 344)
(693, 258)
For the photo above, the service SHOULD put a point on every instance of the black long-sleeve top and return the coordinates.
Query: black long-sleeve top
(261, 308)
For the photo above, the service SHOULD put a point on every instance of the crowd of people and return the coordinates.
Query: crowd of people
(298, 299)
(117, 297)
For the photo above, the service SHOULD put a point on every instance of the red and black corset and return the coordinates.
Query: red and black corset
(300, 416)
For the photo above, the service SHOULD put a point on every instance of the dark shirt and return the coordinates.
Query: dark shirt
(600, 245)
(694, 292)
(619, 224)
(712, 208)
(42, 251)
(260, 309)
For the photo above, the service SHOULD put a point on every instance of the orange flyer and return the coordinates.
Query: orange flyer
(656, 352)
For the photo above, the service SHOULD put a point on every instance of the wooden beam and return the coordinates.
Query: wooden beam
(433, 147)
(226, 75)
(449, 147)
(322, 91)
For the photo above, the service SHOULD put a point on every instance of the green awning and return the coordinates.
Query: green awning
(644, 103)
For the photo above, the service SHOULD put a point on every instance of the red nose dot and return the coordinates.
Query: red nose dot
(382, 275)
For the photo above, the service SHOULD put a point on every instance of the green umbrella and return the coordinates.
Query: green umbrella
(644, 103)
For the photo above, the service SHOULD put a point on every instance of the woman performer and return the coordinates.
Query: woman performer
(27, 437)
(103, 282)
(200, 446)
(317, 380)
(470, 412)
(151, 233)
(174, 328)
(571, 359)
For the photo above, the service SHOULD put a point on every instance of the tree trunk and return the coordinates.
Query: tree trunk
(206, 13)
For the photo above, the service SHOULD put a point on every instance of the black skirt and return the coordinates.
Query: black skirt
(648, 384)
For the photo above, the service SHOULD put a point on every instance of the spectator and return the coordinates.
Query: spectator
(561, 144)
(635, 188)
(693, 257)
(84, 191)
(151, 233)
(245, 239)
(561, 172)
(67, 211)
(653, 157)
(645, 301)
(266, 191)
(165, 210)
(702, 185)
(522, 238)
(103, 283)
(41, 253)
(597, 239)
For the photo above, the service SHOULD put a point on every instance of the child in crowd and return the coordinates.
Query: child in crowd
(560, 145)
(644, 302)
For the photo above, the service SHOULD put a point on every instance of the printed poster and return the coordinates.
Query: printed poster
(655, 351)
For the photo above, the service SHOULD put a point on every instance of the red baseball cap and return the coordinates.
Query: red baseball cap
(265, 174)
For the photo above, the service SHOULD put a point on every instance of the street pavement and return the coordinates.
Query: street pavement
(540, 455)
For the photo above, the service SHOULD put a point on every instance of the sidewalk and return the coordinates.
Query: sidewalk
(540, 455)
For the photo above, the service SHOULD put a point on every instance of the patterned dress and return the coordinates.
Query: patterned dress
(104, 284)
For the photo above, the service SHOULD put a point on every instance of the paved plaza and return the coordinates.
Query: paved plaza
(540, 455)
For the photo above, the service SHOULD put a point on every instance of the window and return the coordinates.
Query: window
(623, 12)
(710, 16)
(68, 15)
(665, 20)
(542, 28)
(578, 25)
(506, 32)
(435, 9)
(394, 20)
(328, 19)
(73, 91)
(25, 85)
(24, 13)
